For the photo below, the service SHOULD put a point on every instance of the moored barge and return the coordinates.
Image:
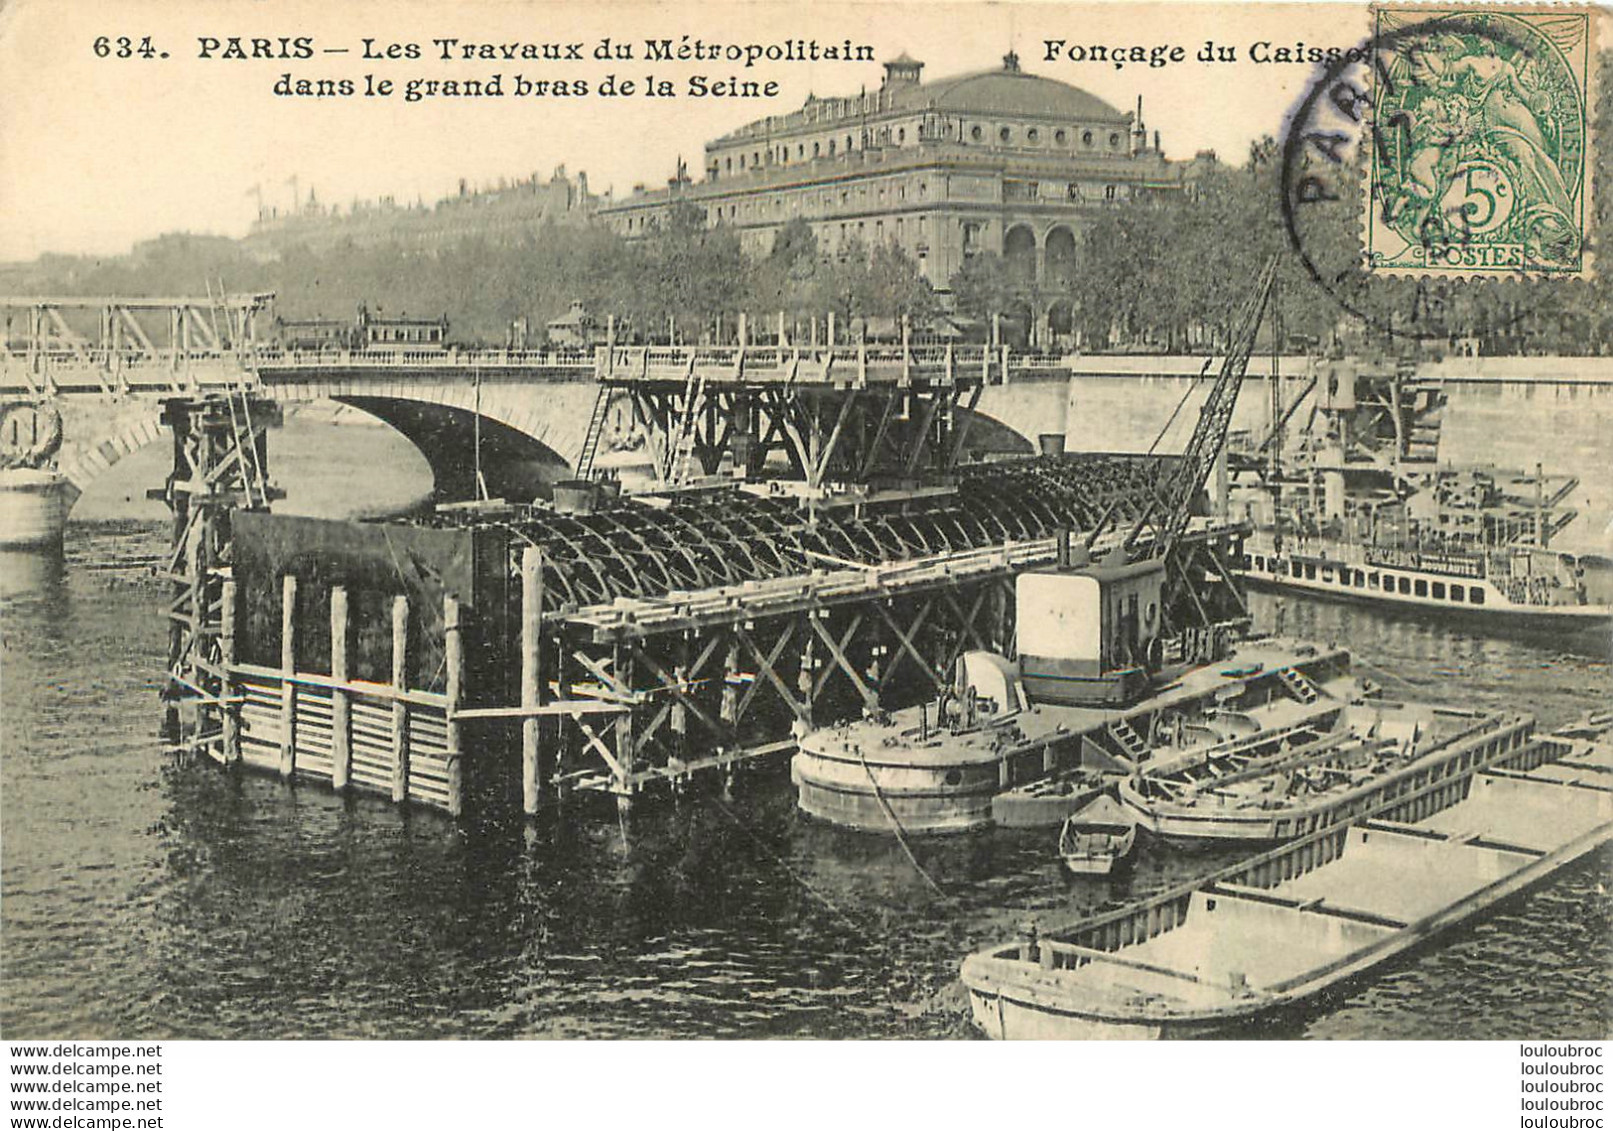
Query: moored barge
(1372, 750)
(1210, 956)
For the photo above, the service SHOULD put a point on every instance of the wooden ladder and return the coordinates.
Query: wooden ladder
(1300, 687)
(596, 430)
(1130, 741)
(683, 446)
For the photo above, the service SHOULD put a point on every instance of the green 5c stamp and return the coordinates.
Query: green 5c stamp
(1480, 142)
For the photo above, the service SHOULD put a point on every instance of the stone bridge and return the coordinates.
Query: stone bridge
(530, 409)
(522, 416)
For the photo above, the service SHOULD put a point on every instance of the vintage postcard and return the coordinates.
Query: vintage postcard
(869, 520)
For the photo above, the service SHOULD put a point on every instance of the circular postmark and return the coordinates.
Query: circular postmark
(1448, 147)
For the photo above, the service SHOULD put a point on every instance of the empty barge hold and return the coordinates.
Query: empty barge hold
(1324, 773)
(1265, 934)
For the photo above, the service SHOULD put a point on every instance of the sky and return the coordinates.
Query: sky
(98, 153)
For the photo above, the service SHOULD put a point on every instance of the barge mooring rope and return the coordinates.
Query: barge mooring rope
(785, 864)
(901, 834)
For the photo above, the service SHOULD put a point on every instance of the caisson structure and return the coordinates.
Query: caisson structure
(821, 550)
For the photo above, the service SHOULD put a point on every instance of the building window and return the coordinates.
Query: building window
(1388, 583)
(1475, 595)
(1108, 192)
(1294, 569)
(831, 147)
(848, 143)
(1439, 590)
(976, 133)
(741, 160)
(1114, 141)
(1086, 139)
(901, 136)
(728, 164)
(1456, 593)
(1404, 585)
(1032, 134)
(815, 149)
(1004, 134)
(800, 150)
(1422, 588)
(1060, 136)
(1310, 572)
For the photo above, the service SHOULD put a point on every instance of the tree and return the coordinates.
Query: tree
(983, 287)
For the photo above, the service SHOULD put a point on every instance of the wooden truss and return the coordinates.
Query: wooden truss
(823, 433)
(220, 464)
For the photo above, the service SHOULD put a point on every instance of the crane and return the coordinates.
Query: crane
(1169, 509)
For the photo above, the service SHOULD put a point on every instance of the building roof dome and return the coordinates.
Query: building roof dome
(1011, 92)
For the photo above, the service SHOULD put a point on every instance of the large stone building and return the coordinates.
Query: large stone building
(1001, 161)
(505, 211)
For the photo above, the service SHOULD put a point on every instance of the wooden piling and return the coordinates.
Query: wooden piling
(288, 667)
(454, 659)
(231, 720)
(341, 726)
(531, 675)
(625, 749)
(400, 709)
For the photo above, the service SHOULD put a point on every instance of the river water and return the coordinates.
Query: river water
(139, 898)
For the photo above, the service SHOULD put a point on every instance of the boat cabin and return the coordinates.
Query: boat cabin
(1089, 634)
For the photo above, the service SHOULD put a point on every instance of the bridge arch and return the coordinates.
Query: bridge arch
(83, 464)
(513, 465)
(531, 432)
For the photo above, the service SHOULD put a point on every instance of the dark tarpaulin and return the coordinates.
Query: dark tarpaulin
(375, 562)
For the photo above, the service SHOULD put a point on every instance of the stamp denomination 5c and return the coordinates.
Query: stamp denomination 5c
(1481, 146)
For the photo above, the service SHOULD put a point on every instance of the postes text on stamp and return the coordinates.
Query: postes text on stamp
(1480, 162)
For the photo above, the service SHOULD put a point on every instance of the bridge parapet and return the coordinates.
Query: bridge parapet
(108, 371)
(855, 365)
(271, 361)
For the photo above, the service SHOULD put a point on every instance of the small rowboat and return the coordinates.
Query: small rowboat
(1097, 837)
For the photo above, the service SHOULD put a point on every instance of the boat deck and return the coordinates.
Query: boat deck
(893, 743)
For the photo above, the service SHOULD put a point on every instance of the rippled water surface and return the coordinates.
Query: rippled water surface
(143, 899)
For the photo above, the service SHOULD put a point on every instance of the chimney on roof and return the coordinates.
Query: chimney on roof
(1011, 62)
(902, 69)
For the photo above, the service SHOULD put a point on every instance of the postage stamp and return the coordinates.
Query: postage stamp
(1482, 140)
